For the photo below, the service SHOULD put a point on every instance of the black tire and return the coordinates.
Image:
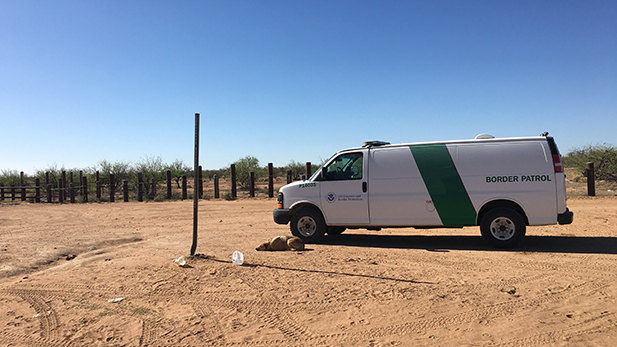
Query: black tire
(308, 224)
(503, 227)
(335, 230)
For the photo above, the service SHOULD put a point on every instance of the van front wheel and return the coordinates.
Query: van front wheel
(308, 224)
(502, 227)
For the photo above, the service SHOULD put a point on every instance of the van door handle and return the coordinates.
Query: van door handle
(364, 187)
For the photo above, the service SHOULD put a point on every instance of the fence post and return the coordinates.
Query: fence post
(85, 184)
(37, 190)
(81, 183)
(252, 184)
(234, 192)
(591, 179)
(63, 187)
(216, 187)
(153, 189)
(140, 187)
(50, 196)
(125, 190)
(98, 187)
(1, 192)
(309, 170)
(168, 184)
(112, 188)
(184, 195)
(46, 178)
(13, 192)
(23, 184)
(60, 195)
(71, 193)
(270, 180)
(289, 178)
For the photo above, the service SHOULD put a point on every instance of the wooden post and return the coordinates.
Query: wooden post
(112, 188)
(168, 197)
(63, 187)
(50, 194)
(270, 180)
(81, 183)
(184, 193)
(234, 192)
(46, 178)
(23, 185)
(85, 184)
(216, 187)
(1, 192)
(289, 178)
(591, 179)
(125, 190)
(71, 192)
(140, 187)
(37, 190)
(252, 184)
(12, 192)
(98, 187)
(60, 195)
(308, 170)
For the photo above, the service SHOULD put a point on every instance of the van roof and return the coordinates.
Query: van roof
(383, 144)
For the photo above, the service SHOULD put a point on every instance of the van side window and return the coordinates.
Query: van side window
(347, 166)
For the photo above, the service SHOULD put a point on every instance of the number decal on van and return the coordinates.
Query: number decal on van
(308, 185)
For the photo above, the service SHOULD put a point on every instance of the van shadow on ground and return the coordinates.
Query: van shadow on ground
(443, 243)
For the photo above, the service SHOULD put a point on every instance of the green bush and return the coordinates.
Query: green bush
(604, 158)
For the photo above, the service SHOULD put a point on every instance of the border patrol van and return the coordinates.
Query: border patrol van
(499, 184)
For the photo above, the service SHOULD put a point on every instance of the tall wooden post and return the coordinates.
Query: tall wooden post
(168, 179)
(37, 190)
(23, 185)
(125, 190)
(184, 188)
(50, 194)
(289, 176)
(60, 190)
(591, 179)
(252, 184)
(234, 192)
(71, 193)
(216, 187)
(308, 170)
(140, 187)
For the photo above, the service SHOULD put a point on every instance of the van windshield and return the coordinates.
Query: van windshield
(347, 166)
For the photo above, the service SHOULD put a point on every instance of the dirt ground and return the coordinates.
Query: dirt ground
(396, 287)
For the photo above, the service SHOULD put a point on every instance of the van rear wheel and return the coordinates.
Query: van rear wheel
(502, 227)
(308, 224)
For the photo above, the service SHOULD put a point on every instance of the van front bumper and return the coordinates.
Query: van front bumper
(281, 215)
(566, 217)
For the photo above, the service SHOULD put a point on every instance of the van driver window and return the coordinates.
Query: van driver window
(347, 166)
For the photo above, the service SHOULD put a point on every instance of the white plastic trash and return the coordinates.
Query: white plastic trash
(237, 258)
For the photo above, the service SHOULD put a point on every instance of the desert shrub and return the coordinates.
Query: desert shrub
(178, 168)
(603, 156)
(10, 178)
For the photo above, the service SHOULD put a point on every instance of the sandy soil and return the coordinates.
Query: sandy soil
(396, 287)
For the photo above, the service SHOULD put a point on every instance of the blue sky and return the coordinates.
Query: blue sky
(85, 81)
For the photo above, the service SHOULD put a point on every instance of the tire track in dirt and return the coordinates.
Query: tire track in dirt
(490, 311)
(596, 324)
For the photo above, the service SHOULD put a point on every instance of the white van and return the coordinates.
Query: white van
(502, 185)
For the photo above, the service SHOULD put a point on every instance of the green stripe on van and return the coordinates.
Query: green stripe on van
(444, 185)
